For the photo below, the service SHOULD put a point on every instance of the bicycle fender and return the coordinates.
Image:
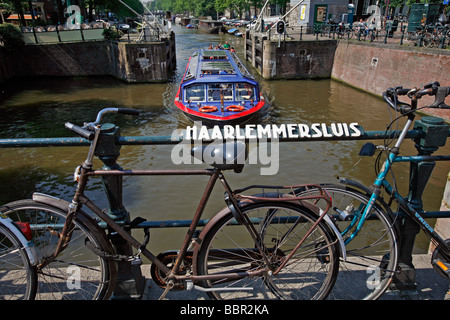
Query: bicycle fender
(337, 233)
(51, 201)
(27, 245)
(355, 184)
(63, 205)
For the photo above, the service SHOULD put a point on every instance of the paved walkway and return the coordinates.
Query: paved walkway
(430, 286)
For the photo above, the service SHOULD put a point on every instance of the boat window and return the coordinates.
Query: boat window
(194, 93)
(216, 91)
(244, 91)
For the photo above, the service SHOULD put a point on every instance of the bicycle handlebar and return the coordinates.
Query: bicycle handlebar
(87, 131)
(432, 88)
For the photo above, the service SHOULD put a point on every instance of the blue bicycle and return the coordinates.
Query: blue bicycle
(365, 218)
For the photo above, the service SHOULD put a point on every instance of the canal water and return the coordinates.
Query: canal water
(35, 108)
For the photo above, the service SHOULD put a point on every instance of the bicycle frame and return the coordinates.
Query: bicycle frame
(214, 174)
(381, 182)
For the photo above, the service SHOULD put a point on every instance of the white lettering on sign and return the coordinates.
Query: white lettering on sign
(273, 131)
(262, 142)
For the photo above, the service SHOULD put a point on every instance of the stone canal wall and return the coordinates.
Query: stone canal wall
(366, 66)
(290, 59)
(306, 59)
(6, 70)
(65, 59)
(131, 62)
(373, 67)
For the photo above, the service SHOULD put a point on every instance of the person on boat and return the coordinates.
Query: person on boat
(226, 45)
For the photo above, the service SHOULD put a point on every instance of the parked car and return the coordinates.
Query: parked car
(124, 27)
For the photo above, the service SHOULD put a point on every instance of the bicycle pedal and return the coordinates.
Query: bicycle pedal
(440, 260)
(136, 261)
(443, 268)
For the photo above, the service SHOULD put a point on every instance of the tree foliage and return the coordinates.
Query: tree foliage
(10, 35)
(400, 3)
(114, 6)
(211, 7)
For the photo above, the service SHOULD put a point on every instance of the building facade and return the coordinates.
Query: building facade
(312, 12)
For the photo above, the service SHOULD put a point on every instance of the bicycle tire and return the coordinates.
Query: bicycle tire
(18, 279)
(427, 40)
(76, 273)
(349, 34)
(372, 254)
(226, 246)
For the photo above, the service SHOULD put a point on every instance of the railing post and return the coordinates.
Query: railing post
(435, 135)
(403, 34)
(130, 283)
(57, 32)
(35, 36)
(82, 34)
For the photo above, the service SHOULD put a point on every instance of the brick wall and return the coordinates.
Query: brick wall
(132, 62)
(374, 67)
(65, 59)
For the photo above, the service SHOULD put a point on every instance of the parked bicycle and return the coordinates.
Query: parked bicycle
(368, 224)
(430, 36)
(267, 245)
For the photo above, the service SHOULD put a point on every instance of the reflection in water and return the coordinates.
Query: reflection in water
(39, 108)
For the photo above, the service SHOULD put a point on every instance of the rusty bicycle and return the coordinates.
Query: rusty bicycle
(265, 244)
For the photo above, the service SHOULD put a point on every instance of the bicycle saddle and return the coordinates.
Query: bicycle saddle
(223, 156)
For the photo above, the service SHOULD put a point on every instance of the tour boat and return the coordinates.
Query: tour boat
(217, 89)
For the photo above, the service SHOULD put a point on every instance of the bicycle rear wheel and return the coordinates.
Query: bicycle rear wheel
(17, 276)
(227, 247)
(371, 254)
(76, 273)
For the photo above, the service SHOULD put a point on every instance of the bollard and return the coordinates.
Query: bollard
(130, 283)
(435, 134)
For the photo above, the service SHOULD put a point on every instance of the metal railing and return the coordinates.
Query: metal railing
(172, 140)
(391, 34)
(437, 132)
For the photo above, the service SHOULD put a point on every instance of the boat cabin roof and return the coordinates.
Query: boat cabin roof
(216, 66)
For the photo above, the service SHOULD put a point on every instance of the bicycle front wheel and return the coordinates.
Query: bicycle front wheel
(17, 276)
(371, 253)
(76, 273)
(227, 247)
